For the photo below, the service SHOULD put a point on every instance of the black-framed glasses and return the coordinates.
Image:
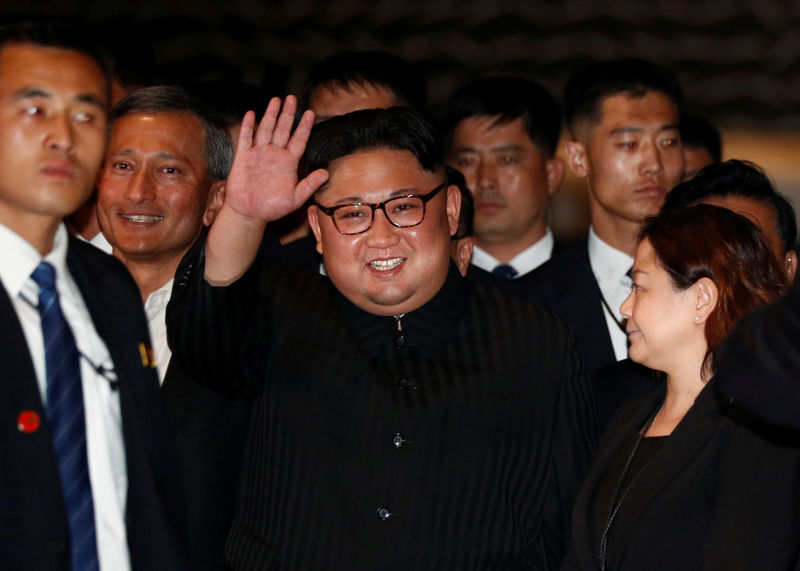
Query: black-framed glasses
(400, 211)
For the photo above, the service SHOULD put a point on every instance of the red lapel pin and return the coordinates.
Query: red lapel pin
(28, 421)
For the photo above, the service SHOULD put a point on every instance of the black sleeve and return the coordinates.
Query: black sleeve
(218, 335)
(759, 364)
(576, 430)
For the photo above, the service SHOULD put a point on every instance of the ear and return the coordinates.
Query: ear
(313, 222)
(555, 174)
(453, 207)
(216, 197)
(705, 297)
(790, 265)
(577, 158)
(461, 252)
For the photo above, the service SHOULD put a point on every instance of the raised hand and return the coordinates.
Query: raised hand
(263, 183)
(262, 187)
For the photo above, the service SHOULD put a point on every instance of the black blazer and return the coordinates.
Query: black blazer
(33, 524)
(456, 443)
(721, 493)
(760, 361)
(567, 285)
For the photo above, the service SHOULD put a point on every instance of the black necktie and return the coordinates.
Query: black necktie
(65, 417)
(505, 271)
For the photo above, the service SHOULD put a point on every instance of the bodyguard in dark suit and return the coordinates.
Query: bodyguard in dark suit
(404, 417)
(85, 481)
(502, 134)
(623, 121)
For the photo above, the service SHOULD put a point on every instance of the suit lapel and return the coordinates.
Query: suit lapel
(582, 305)
(689, 437)
(610, 445)
(30, 448)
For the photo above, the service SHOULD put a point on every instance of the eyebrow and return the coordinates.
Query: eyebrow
(496, 149)
(625, 130)
(393, 194)
(31, 92)
(132, 150)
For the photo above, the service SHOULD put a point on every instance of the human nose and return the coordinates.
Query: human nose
(60, 134)
(627, 305)
(382, 233)
(651, 159)
(485, 175)
(140, 189)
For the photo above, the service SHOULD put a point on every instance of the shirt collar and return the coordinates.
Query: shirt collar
(157, 300)
(526, 261)
(20, 258)
(609, 265)
(427, 328)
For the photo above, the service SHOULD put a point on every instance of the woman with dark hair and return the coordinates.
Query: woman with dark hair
(683, 478)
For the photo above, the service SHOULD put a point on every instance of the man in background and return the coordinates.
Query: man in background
(162, 183)
(502, 134)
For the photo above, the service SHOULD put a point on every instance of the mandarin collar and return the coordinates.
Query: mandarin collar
(427, 328)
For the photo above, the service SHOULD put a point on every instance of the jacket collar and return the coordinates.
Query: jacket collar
(426, 329)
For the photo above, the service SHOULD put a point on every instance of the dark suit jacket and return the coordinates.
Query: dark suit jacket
(34, 533)
(211, 432)
(470, 426)
(567, 285)
(760, 361)
(721, 493)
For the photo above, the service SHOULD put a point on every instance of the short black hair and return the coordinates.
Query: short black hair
(507, 99)
(394, 129)
(375, 68)
(699, 133)
(736, 178)
(585, 90)
(217, 147)
(57, 34)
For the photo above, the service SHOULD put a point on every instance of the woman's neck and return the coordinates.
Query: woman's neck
(683, 386)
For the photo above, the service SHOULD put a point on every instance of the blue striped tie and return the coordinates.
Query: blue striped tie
(66, 419)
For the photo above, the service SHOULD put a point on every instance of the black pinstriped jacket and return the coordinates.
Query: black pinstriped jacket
(455, 438)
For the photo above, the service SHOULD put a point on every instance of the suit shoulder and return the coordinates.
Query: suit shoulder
(528, 315)
(551, 281)
(104, 270)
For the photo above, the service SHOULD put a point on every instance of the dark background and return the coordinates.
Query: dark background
(739, 61)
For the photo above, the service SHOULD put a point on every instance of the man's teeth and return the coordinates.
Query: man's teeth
(142, 218)
(387, 264)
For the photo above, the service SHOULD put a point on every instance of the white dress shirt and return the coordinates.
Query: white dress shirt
(610, 268)
(104, 439)
(526, 261)
(156, 309)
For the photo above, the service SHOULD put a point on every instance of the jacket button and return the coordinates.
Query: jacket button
(407, 384)
(399, 441)
(400, 341)
(384, 513)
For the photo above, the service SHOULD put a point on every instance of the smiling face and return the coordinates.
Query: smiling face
(52, 135)
(631, 159)
(154, 192)
(386, 270)
(661, 320)
(510, 179)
